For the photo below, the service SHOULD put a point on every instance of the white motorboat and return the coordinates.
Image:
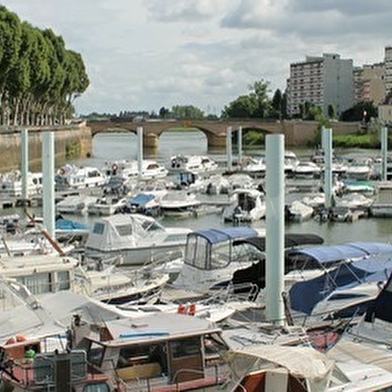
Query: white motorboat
(360, 169)
(341, 267)
(75, 204)
(136, 239)
(143, 203)
(298, 211)
(290, 163)
(192, 163)
(353, 201)
(11, 184)
(213, 256)
(217, 184)
(106, 205)
(246, 205)
(129, 169)
(306, 170)
(179, 203)
(254, 166)
(117, 286)
(71, 177)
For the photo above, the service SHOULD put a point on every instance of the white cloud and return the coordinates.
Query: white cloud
(145, 54)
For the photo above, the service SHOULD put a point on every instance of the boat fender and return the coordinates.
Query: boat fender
(187, 309)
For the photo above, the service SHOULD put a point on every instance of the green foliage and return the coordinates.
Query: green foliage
(39, 77)
(363, 111)
(356, 141)
(187, 112)
(256, 104)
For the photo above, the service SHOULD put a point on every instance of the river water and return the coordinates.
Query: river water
(112, 146)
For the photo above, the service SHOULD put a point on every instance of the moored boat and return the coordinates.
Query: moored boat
(135, 238)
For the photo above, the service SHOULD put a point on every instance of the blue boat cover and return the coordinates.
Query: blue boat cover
(352, 250)
(381, 308)
(306, 294)
(66, 224)
(141, 199)
(226, 233)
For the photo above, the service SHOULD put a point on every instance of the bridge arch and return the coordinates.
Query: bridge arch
(297, 133)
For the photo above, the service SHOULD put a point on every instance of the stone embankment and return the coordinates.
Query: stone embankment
(71, 142)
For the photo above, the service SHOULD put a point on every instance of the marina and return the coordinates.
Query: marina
(201, 302)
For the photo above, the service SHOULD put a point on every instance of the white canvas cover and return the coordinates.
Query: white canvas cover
(124, 231)
(303, 362)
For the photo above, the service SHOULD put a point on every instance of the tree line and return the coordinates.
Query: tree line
(39, 77)
(257, 104)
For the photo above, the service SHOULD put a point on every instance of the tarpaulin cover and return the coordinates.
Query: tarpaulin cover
(306, 294)
(348, 251)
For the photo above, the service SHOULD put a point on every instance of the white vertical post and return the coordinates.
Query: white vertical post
(140, 151)
(274, 228)
(239, 144)
(229, 149)
(328, 167)
(25, 163)
(384, 152)
(48, 182)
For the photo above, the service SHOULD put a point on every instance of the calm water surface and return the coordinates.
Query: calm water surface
(112, 146)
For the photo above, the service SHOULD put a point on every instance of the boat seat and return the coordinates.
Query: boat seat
(147, 370)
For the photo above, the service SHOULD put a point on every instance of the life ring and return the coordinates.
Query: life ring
(16, 339)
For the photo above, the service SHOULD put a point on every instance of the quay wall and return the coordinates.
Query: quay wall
(70, 143)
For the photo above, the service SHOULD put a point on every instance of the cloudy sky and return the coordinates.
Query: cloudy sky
(145, 54)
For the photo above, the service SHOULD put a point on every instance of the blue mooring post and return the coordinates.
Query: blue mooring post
(275, 228)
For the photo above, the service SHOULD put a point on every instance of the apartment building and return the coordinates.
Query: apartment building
(323, 80)
(388, 69)
(369, 83)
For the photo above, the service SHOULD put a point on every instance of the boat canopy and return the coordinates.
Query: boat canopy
(306, 294)
(349, 251)
(290, 240)
(225, 234)
(214, 248)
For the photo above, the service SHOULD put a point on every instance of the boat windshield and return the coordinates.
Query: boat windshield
(202, 254)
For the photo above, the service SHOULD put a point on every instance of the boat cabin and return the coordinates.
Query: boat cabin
(26, 366)
(156, 351)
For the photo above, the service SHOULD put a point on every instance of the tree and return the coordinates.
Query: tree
(244, 106)
(187, 112)
(164, 112)
(363, 111)
(259, 90)
(39, 77)
(256, 104)
(331, 112)
(278, 105)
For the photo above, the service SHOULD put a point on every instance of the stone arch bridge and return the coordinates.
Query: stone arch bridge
(297, 133)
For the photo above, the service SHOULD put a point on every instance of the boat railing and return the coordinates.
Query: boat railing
(242, 291)
(182, 378)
